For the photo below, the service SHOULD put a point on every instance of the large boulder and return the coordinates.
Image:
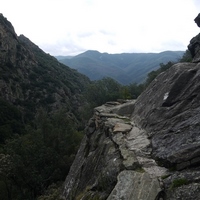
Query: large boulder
(169, 111)
(114, 160)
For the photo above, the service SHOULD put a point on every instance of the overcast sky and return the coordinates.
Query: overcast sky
(70, 27)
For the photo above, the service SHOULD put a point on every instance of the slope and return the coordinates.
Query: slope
(30, 78)
(125, 68)
(144, 149)
(40, 101)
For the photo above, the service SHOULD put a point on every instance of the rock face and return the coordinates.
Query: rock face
(114, 160)
(170, 113)
(197, 20)
(194, 46)
(144, 149)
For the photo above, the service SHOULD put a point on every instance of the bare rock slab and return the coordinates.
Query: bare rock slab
(134, 185)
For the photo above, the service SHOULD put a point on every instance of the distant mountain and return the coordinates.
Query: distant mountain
(125, 67)
(63, 57)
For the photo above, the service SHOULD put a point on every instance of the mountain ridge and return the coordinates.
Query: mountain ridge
(125, 68)
(147, 148)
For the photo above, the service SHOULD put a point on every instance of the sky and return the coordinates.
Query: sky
(70, 27)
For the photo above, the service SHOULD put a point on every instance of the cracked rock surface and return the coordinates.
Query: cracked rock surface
(114, 160)
(144, 149)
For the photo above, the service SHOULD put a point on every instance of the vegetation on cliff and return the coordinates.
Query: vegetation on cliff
(40, 124)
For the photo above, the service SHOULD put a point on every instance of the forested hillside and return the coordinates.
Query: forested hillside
(40, 123)
(126, 68)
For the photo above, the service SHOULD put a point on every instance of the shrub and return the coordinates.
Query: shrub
(179, 182)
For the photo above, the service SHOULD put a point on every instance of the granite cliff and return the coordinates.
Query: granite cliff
(144, 149)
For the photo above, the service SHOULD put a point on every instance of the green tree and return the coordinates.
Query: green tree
(102, 91)
(136, 90)
(41, 157)
(11, 122)
(187, 57)
(125, 92)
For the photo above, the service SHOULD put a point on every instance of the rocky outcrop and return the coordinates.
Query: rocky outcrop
(169, 110)
(114, 160)
(197, 20)
(146, 148)
(194, 46)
